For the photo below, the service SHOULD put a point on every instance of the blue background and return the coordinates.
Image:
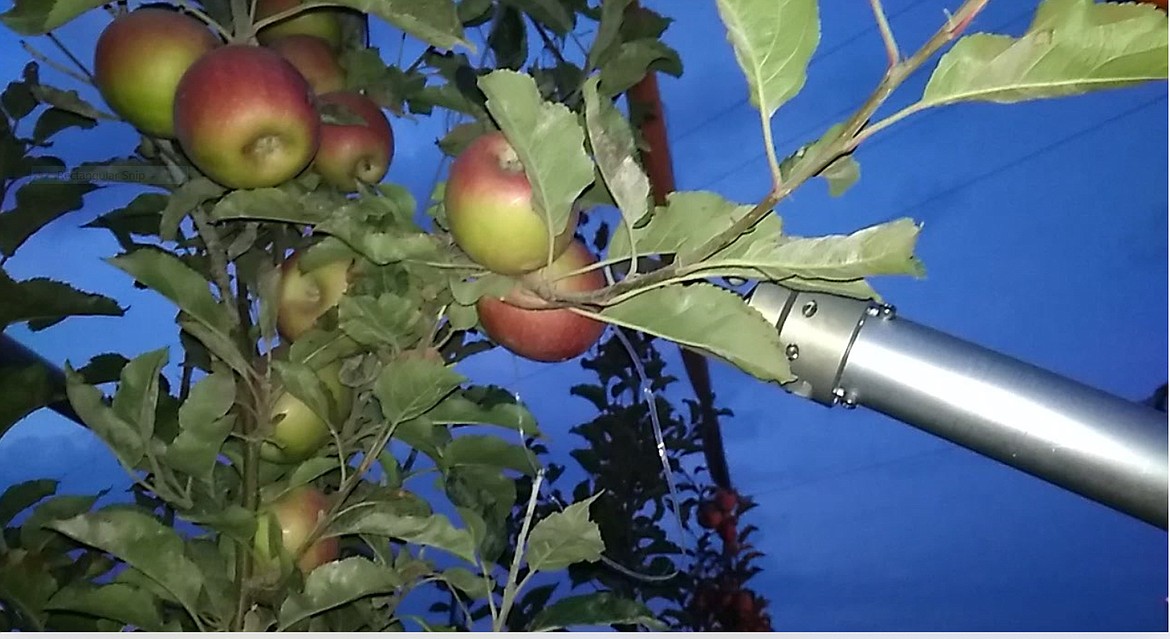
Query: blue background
(1045, 237)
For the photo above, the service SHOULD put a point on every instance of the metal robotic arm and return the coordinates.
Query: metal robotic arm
(850, 353)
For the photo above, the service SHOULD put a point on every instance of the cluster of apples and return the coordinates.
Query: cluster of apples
(723, 603)
(720, 514)
(492, 218)
(246, 115)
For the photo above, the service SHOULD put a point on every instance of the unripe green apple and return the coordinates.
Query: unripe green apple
(298, 432)
(323, 22)
(490, 213)
(296, 514)
(352, 153)
(314, 58)
(546, 335)
(305, 296)
(245, 117)
(138, 62)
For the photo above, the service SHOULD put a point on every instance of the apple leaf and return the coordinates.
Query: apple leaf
(629, 64)
(136, 399)
(17, 100)
(411, 386)
(857, 289)
(1072, 47)
(203, 428)
(276, 204)
(43, 302)
(19, 497)
(385, 520)
(38, 203)
(181, 284)
(565, 538)
(841, 174)
(140, 217)
(709, 319)
(435, 22)
(192, 194)
(594, 609)
(381, 247)
(30, 389)
(335, 584)
(608, 35)
(123, 603)
(54, 121)
(485, 405)
(38, 17)
(551, 13)
(303, 383)
(548, 140)
(386, 320)
(34, 534)
(490, 451)
(123, 438)
(773, 42)
(468, 291)
(469, 583)
(232, 520)
(25, 585)
(143, 542)
(688, 220)
(615, 152)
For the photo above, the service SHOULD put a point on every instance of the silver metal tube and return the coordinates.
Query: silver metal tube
(1106, 448)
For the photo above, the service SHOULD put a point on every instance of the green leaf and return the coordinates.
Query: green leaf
(123, 603)
(388, 320)
(410, 386)
(632, 60)
(336, 584)
(142, 542)
(275, 204)
(19, 497)
(709, 319)
(547, 139)
(43, 302)
(551, 13)
(137, 397)
(25, 585)
(485, 405)
(232, 520)
(203, 428)
(473, 13)
(565, 538)
(123, 438)
(773, 42)
(1072, 47)
(38, 17)
(17, 100)
(608, 33)
(28, 388)
(381, 519)
(615, 152)
(38, 203)
(70, 101)
(688, 220)
(490, 451)
(380, 247)
(841, 174)
(192, 194)
(467, 582)
(858, 289)
(303, 383)
(508, 39)
(140, 217)
(34, 536)
(594, 609)
(55, 120)
(435, 22)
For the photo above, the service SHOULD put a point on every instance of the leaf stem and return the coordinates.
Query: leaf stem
(72, 58)
(879, 14)
(206, 19)
(512, 588)
(40, 57)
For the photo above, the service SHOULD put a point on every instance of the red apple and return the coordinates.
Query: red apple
(305, 296)
(245, 117)
(298, 432)
(323, 22)
(727, 500)
(546, 335)
(296, 513)
(351, 152)
(490, 213)
(709, 515)
(314, 58)
(139, 59)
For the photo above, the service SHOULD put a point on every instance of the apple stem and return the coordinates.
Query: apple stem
(243, 31)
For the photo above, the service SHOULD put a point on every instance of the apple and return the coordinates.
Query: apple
(245, 117)
(323, 22)
(298, 432)
(727, 499)
(546, 335)
(490, 213)
(296, 513)
(138, 61)
(314, 58)
(304, 297)
(709, 515)
(350, 152)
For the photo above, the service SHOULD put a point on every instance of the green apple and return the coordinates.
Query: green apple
(245, 117)
(349, 152)
(490, 213)
(138, 61)
(304, 297)
(314, 58)
(295, 513)
(323, 22)
(546, 335)
(298, 432)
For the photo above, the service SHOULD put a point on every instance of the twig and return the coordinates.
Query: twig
(69, 54)
(879, 14)
(40, 57)
(511, 588)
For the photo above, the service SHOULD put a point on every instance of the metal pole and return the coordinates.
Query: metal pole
(856, 353)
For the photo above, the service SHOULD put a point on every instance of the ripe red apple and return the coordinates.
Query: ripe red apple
(298, 432)
(488, 201)
(139, 59)
(352, 153)
(709, 515)
(245, 117)
(314, 58)
(726, 499)
(546, 335)
(323, 22)
(305, 296)
(296, 513)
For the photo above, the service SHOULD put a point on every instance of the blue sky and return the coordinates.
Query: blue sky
(1045, 237)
